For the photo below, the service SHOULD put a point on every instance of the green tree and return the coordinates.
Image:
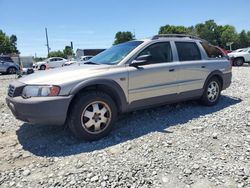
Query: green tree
(209, 31)
(219, 35)
(57, 54)
(68, 51)
(228, 34)
(171, 29)
(243, 39)
(121, 37)
(8, 44)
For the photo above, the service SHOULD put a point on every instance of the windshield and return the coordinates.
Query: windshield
(115, 54)
(245, 49)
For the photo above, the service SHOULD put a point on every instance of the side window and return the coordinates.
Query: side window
(212, 51)
(188, 51)
(159, 53)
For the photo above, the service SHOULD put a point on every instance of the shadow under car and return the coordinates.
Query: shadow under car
(57, 141)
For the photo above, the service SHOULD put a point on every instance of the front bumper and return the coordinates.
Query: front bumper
(40, 110)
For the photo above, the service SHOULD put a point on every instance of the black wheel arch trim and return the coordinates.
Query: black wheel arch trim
(240, 57)
(111, 85)
(214, 73)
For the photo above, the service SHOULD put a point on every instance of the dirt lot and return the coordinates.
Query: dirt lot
(180, 145)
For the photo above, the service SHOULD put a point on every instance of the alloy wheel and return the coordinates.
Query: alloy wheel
(213, 91)
(96, 117)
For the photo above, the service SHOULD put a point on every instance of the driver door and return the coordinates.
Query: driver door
(247, 56)
(154, 80)
(52, 63)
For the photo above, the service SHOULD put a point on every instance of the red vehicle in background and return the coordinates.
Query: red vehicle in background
(223, 50)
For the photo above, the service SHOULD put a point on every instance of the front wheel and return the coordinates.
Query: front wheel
(12, 70)
(92, 115)
(42, 67)
(212, 92)
(239, 62)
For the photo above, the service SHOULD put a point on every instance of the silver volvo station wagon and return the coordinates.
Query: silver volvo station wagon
(130, 76)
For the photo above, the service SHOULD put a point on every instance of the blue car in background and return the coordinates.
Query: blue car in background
(7, 65)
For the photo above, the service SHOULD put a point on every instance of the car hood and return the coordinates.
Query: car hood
(64, 75)
(236, 54)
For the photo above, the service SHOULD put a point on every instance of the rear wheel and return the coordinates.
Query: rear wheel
(239, 61)
(11, 70)
(42, 67)
(92, 115)
(211, 94)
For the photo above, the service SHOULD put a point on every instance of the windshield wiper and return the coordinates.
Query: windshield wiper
(90, 63)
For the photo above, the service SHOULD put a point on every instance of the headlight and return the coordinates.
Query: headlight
(40, 91)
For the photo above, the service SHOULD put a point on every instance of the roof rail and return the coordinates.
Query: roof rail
(175, 35)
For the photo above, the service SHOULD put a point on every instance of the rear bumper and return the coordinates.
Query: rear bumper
(40, 110)
(227, 79)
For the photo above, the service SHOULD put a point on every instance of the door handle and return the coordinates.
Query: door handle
(171, 70)
(203, 66)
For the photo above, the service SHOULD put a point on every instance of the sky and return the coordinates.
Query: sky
(93, 24)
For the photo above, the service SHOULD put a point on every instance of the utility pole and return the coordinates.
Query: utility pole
(71, 45)
(47, 40)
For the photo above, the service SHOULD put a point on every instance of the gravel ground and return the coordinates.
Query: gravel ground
(180, 145)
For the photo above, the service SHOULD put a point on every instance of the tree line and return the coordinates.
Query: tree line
(219, 35)
(8, 45)
(68, 51)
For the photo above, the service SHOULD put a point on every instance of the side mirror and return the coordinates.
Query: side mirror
(141, 60)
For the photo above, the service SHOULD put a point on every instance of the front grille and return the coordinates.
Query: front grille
(15, 89)
(11, 91)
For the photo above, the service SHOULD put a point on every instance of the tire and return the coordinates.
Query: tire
(42, 67)
(92, 115)
(212, 92)
(239, 61)
(11, 70)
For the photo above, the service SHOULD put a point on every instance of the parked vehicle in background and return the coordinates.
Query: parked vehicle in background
(133, 75)
(238, 50)
(240, 57)
(86, 58)
(82, 60)
(52, 62)
(7, 65)
(71, 62)
(224, 50)
(27, 70)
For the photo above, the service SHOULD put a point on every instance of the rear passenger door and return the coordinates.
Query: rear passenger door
(192, 71)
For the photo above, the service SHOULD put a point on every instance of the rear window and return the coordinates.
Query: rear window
(188, 51)
(212, 51)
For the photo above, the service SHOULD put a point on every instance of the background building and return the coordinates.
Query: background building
(84, 52)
